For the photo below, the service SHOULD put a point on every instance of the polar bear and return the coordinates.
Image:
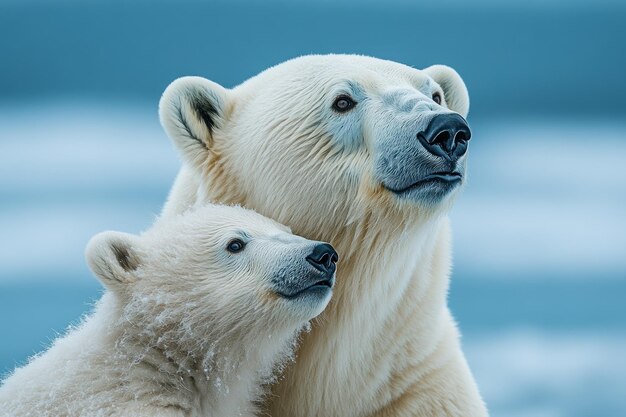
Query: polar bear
(197, 314)
(368, 155)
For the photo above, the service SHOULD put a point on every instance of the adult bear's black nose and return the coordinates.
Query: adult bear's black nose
(446, 136)
(323, 257)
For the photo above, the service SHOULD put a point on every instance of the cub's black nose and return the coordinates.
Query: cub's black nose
(323, 258)
(446, 136)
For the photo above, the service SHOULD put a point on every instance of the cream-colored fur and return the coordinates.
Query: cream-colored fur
(387, 345)
(185, 328)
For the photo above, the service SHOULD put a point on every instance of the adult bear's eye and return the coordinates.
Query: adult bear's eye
(235, 245)
(343, 103)
(437, 98)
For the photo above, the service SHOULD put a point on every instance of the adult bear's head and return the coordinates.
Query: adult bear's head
(322, 142)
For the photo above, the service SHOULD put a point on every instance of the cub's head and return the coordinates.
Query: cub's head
(320, 142)
(215, 273)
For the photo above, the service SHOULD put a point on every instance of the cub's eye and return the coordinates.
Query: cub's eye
(437, 98)
(343, 103)
(235, 245)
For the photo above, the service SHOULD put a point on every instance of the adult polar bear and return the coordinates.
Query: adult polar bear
(366, 154)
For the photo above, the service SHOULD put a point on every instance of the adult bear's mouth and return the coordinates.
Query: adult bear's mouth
(446, 180)
(319, 287)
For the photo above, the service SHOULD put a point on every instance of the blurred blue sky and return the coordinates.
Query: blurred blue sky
(532, 57)
(540, 230)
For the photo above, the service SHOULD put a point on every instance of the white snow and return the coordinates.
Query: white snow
(526, 372)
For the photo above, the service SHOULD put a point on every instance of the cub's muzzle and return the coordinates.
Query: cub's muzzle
(315, 277)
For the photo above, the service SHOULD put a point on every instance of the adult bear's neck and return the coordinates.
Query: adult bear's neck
(376, 265)
(390, 288)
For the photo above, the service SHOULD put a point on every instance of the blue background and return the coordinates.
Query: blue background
(540, 243)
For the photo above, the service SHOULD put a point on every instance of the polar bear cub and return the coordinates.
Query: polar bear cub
(198, 313)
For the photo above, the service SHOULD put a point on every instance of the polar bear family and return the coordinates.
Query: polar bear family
(199, 313)
(368, 155)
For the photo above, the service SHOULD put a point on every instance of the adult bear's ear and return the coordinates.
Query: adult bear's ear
(191, 109)
(113, 258)
(454, 90)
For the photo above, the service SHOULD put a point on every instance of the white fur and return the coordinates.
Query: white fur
(387, 345)
(185, 328)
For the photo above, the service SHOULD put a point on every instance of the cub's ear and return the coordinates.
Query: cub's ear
(113, 258)
(454, 90)
(191, 109)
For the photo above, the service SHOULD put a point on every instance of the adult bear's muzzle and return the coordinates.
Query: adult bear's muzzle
(423, 158)
(446, 136)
